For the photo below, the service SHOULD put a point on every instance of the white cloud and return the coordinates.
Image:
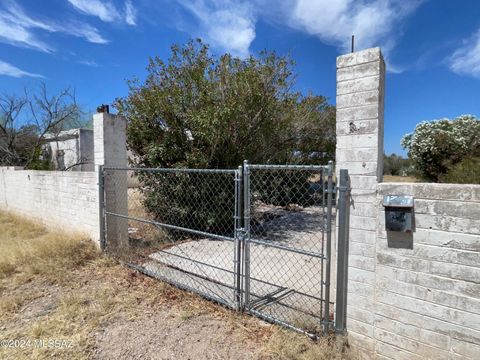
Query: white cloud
(10, 70)
(466, 59)
(104, 10)
(229, 25)
(91, 63)
(130, 13)
(19, 29)
(373, 22)
(15, 28)
(86, 31)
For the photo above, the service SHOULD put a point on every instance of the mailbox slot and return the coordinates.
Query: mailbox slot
(398, 213)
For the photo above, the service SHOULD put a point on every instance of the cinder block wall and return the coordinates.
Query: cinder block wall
(427, 297)
(71, 199)
(410, 296)
(62, 199)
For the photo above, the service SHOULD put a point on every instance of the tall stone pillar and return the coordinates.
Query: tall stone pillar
(360, 103)
(110, 151)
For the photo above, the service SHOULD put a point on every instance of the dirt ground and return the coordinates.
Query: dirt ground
(134, 317)
(290, 280)
(60, 298)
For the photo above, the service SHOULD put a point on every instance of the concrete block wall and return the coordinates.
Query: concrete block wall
(410, 296)
(427, 297)
(110, 147)
(64, 199)
(70, 200)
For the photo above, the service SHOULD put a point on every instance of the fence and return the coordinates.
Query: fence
(257, 238)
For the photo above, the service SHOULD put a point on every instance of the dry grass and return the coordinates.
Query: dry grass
(54, 286)
(28, 250)
(284, 344)
(405, 179)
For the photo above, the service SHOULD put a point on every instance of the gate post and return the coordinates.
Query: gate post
(239, 235)
(342, 259)
(328, 267)
(101, 205)
(246, 228)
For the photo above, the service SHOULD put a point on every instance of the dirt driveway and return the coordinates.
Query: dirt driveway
(58, 288)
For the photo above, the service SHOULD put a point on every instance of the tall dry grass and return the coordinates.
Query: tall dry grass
(28, 249)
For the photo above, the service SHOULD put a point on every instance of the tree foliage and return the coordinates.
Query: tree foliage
(396, 165)
(436, 146)
(201, 111)
(466, 171)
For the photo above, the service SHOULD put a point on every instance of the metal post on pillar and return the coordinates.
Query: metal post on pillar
(342, 258)
(326, 326)
(101, 206)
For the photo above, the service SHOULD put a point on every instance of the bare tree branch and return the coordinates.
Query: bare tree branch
(23, 133)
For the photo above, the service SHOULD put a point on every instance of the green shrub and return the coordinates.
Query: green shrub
(466, 171)
(282, 188)
(198, 201)
(201, 111)
(396, 165)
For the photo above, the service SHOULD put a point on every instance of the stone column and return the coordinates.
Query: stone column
(360, 102)
(110, 151)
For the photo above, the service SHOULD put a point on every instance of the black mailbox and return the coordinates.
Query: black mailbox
(398, 213)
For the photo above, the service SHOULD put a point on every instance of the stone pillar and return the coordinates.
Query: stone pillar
(110, 151)
(360, 102)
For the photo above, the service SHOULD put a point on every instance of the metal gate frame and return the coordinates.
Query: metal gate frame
(242, 240)
(248, 240)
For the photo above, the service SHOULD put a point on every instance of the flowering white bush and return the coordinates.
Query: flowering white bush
(436, 145)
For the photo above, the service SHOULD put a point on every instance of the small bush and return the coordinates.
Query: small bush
(466, 171)
(396, 165)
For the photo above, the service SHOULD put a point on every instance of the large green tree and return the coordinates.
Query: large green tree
(198, 110)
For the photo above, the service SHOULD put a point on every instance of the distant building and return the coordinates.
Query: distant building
(71, 150)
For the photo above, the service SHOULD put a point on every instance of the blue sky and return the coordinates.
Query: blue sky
(432, 47)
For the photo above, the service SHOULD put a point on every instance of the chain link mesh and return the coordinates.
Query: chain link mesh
(288, 246)
(181, 226)
(252, 238)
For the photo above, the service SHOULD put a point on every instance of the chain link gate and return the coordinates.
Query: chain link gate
(257, 238)
(288, 217)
